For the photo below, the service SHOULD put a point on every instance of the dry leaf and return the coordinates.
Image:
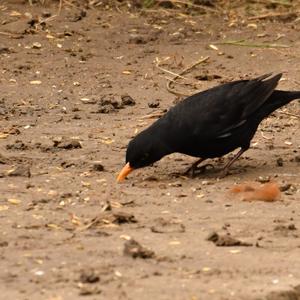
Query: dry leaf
(107, 141)
(174, 243)
(125, 237)
(14, 201)
(35, 82)
(52, 226)
(75, 220)
(36, 45)
(4, 207)
(3, 135)
(235, 251)
(85, 184)
(252, 25)
(15, 13)
(206, 269)
(213, 47)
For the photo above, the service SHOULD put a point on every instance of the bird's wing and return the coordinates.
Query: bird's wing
(218, 111)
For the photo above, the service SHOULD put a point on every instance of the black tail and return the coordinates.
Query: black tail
(278, 99)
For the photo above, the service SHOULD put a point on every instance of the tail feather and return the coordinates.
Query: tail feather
(286, 95)
(279, 99)
(276, 100)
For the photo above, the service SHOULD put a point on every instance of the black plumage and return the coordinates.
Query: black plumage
(211, 123)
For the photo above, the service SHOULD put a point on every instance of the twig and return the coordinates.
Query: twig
(12, 35)
(183, 83)
(54, 16)
(169, 87)
(205, 8)
(47, 19)
(255, 45)
(265, 137)
(288, 114)
(71, 4)
(96, 219)
(170, 72)
(152, 116)
(59, 7)
(273, 15)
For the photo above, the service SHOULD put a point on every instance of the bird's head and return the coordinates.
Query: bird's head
(145, 149)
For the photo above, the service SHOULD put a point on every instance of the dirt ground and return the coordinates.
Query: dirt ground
(75, 88)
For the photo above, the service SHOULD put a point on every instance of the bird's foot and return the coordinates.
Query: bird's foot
(223, 173)
(195, 170)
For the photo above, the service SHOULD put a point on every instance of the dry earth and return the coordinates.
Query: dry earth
(64, 129)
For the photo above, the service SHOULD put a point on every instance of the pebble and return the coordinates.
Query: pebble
(263, 179)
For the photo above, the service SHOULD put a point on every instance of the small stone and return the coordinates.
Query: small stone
(97, 166)
(46, 14)
(291, 227)
(67, 143)
(106, 109)
(134, 249)
(86, 290)
(36, 45)
(175, 184)
(127, 100)
(285, 187)
(76, 117)
(88, 101)
(154, 104)
(89, 276)
(17, 145)
(226, 240)
(108, 104)
(137, 39)
(263, 179)
(3, 244)
(292, 189)
(123, 217)
(279, 162)
(21, 170)
(212, 236)
(3, 159)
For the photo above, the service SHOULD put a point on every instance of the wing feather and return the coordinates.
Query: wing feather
(218, 111)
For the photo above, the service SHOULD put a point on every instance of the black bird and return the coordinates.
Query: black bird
(209, 124)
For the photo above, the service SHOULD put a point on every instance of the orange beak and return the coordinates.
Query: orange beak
(124, 172)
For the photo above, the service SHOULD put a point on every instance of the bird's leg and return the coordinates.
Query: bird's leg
(225, 170)
(193, 167)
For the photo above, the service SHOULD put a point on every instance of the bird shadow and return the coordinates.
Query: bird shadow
(217, 171)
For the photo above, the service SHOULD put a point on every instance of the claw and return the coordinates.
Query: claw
(198, 170)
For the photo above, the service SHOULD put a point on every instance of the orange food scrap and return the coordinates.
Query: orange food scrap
(268, 192)
(242, 188)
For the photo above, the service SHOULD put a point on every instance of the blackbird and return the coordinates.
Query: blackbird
(209, 124)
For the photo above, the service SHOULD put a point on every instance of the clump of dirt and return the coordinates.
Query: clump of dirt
(136, 250)
(109, 103)
(226, 240)
(66, 143)
(20, 170)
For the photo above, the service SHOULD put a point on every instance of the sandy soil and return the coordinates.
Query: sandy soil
(64, 128)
